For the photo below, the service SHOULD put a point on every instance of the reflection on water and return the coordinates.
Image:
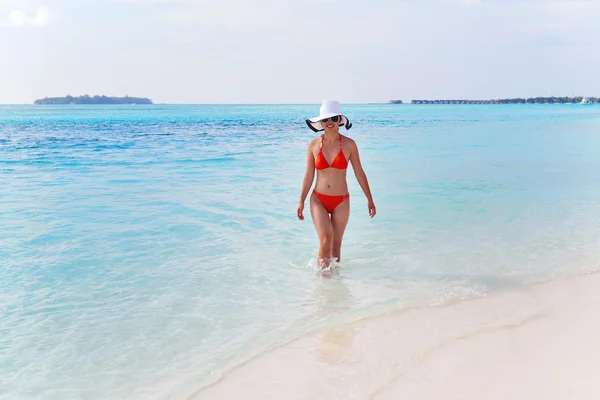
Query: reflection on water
(332, 295)
(333, 299)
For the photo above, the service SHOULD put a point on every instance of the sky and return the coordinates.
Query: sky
(298, 51)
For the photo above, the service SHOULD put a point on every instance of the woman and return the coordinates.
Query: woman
(330, 196)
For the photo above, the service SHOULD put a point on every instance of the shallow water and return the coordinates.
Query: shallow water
(143, 249)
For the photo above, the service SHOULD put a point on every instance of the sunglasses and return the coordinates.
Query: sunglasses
(333, 119)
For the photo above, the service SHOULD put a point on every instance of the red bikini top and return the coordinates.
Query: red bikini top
(339, 162)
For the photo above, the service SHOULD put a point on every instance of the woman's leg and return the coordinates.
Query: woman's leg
(320, 218)
(339, 220)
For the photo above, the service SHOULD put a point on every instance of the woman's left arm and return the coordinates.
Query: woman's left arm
(361, 177)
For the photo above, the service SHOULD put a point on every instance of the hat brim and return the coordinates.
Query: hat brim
(316, 125)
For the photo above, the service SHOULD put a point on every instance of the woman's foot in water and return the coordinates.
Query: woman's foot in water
(326, 265)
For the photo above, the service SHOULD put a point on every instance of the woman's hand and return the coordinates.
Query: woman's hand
(309, 176)
(372, 210)
(299, 211)
(361, 177)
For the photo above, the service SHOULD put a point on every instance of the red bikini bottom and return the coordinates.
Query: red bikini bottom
(331, 202)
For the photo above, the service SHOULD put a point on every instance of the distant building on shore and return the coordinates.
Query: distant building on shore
(531, 100)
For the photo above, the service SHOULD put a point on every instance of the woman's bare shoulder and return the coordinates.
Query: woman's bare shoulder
(313, 142)
(351, 143)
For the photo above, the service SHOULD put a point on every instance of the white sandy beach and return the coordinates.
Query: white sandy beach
(537, 342)
(555, 355)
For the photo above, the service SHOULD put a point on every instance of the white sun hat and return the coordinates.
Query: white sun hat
(329, 108)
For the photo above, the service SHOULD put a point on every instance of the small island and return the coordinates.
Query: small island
(530, 100)
(93, 100)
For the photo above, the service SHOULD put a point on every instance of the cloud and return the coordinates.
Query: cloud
(40, 18)
(299, 16)
(228, 13)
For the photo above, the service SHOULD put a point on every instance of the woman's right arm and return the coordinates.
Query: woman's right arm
(309, 176)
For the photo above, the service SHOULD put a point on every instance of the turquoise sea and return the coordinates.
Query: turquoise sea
(147, 250)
